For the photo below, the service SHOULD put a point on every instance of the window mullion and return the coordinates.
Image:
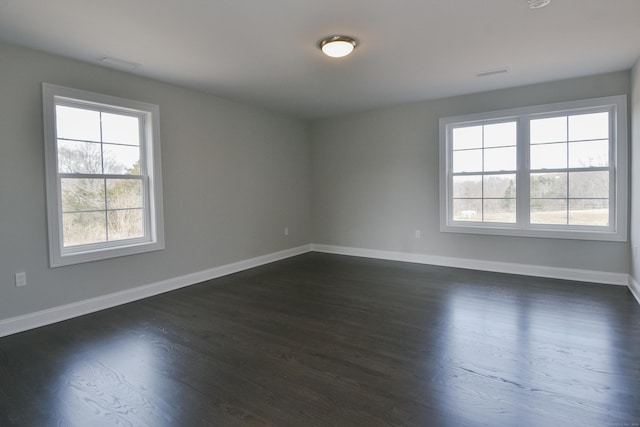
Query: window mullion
(100, 176)
(523, 174)
(482, 174)
(568, 174)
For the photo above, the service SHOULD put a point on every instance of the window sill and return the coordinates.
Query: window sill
(537, 232)
(59, 260)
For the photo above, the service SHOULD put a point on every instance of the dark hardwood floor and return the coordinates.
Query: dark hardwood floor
(325, 340)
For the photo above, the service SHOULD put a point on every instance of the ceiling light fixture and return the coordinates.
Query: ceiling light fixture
(337, 46)
(537, 4)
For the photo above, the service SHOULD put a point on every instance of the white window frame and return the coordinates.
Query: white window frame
(149, 115)
(618, 160)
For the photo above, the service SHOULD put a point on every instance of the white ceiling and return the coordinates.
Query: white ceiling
(265, 52)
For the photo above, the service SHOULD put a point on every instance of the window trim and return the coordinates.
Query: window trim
(153, 240)
(617, 230)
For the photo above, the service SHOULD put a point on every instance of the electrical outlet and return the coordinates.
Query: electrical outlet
(21, 279)
(286, 231)
(418, 234)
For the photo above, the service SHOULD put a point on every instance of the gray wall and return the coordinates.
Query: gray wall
(375, 181)
(234, 177)
(635, 171)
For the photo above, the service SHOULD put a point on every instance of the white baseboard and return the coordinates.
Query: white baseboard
(56, 314)
(634, 287)
(473, 264)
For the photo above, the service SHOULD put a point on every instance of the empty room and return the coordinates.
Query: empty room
(319, 213)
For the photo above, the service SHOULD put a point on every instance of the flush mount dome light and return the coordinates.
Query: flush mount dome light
(337, 46)
(537, 4)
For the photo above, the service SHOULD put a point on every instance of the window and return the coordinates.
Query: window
(547, 171)
(103, 176)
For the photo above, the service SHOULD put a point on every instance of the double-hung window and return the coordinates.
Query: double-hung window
(102, 163)
(556, 170)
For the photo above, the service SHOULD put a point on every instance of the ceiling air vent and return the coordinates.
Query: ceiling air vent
(493, 71)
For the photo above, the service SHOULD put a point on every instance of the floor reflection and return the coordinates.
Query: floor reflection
(112, 383)
(513, 358)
